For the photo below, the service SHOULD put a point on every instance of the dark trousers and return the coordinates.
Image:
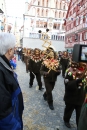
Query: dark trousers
(38, 78)
(48, 94)
(64, 70)
(69, 108)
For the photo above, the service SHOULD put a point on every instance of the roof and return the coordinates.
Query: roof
(68, 11)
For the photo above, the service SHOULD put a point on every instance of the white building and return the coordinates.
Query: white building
(43, 14)
(3, 16)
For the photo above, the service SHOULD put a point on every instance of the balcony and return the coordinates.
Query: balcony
(85, 25)
(79, 28)
(52, 37)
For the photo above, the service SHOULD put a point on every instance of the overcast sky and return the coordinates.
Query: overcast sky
(15, 7)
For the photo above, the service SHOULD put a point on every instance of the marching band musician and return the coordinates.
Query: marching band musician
(34, 68)
(23, 54)
(28, 55)
(64, 61)
(50, 70)
(74, 91)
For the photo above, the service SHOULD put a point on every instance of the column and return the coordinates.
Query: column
(60, 26)
(39, 23)
(45, 3)
(40, 2)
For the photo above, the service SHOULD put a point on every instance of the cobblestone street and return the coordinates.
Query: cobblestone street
(37, 115)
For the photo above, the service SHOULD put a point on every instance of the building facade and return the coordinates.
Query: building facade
(3, 17)
(76, 23)
(43, 14)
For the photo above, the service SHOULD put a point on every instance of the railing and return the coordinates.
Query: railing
(52, 37)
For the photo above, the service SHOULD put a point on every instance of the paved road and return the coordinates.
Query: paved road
(37, 115)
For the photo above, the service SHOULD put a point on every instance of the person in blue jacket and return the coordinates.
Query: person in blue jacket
(13, 64)
(11, 100)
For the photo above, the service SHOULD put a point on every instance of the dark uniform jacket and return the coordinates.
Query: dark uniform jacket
(64, 61)
(34, 66)
(11, 101)
(52, 76)
(74, 94)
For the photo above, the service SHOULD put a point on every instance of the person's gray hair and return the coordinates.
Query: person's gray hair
(7, 41)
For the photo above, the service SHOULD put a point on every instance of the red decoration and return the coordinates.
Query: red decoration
(81, 68)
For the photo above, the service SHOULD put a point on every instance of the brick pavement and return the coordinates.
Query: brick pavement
(37, 115)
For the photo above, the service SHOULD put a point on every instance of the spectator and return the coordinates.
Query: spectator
(19, 53)
(11, 101)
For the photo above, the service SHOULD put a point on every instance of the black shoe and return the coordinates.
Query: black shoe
(41, 89)
(30, 86)
(67, 124)
(51, 107)
(45, 98)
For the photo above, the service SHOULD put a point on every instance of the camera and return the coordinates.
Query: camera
(79, 53)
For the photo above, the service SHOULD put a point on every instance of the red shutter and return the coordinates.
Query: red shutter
(73, 38)
(78, 37)
(83, 36)
(84, 19)
(74, 23)
(76, 9)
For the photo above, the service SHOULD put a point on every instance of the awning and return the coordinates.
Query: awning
(1, 12)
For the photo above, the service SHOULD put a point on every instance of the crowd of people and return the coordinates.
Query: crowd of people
(49, 64)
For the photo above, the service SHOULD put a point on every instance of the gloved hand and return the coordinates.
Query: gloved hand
(45, 73)
(79, 81)
(66, 80)
(58, 72)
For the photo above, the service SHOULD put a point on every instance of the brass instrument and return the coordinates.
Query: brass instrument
(47, 45)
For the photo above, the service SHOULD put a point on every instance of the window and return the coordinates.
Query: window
(47, 3)
(64, 7)
(71, 25)
(76, 37)
(86, 17)
(63, 14)
(60, 6)
(85, 36)
(70, 39)
(2, 5)
(81, 19)
(56, 4)
(46, 12)
(38, 2)
(55, 14)
(42, 13)
(77, 21)
(59, 14)
(37, 11)
(63, 27)
(43, 3)
(74, 10)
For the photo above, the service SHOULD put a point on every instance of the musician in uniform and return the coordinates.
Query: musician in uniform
(34, 68)
(28, 56)
(74, 91)
(23, 54)
(64, 61)
(50, 70)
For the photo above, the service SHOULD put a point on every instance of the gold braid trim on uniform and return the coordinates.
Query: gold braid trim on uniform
(36, 59)
(51, 64)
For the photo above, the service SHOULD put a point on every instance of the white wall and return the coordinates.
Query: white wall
(37, 43)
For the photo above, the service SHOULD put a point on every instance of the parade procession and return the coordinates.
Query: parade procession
(43, 65)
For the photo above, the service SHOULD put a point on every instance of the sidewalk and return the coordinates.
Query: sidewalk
(37, 115)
